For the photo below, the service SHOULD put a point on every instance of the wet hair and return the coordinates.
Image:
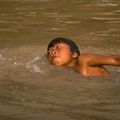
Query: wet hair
(70, 43)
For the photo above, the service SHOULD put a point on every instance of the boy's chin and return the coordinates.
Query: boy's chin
(56, 63)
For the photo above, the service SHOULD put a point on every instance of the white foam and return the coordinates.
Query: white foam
(33, 66)
(2, 58)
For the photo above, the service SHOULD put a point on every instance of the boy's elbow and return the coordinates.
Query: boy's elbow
(116, 61)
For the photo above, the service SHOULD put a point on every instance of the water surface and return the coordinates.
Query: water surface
(32, 89)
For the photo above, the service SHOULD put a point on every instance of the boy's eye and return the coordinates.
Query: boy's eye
(58, 47)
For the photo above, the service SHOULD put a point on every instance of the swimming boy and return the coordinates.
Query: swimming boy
(64, 52)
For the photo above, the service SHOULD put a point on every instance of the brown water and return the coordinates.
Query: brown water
(32, 89)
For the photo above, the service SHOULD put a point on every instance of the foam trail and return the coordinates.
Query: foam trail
(34, 67)
(2, 58)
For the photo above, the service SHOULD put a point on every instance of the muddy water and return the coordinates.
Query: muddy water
(32, 89)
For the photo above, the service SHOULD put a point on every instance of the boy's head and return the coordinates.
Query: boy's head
(72, 45)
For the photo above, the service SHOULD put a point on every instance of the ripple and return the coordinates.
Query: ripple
(117, 11)
(56, 29)
(71, 22)
(101, 18)
(104, 4)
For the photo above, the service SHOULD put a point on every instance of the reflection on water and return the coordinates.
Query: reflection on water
(32, 89)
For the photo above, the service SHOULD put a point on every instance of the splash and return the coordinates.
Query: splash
(2, 59)
(36, 65)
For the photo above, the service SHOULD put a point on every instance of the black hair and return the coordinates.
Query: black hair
(72, 45)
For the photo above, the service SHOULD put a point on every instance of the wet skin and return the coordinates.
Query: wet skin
(85, 64)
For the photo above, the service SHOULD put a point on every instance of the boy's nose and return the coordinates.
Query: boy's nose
(53, 53)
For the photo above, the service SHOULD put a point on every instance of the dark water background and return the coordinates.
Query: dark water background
(32, 89)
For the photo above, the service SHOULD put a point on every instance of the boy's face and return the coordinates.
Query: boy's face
(60, 54)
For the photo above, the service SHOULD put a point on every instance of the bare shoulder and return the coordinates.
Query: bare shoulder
(87, 56)
(84, 58)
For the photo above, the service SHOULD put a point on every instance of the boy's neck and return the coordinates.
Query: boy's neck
(72, 64)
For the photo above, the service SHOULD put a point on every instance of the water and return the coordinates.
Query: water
(32, 89)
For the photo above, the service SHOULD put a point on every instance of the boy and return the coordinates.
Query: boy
(64, 52)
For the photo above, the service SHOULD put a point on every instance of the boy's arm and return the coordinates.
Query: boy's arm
(99, 60)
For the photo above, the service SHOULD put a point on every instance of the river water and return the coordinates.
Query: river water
(31, 88)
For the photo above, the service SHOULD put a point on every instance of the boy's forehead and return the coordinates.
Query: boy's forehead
(61, 43)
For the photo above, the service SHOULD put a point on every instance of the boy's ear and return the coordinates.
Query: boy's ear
(75, 55)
